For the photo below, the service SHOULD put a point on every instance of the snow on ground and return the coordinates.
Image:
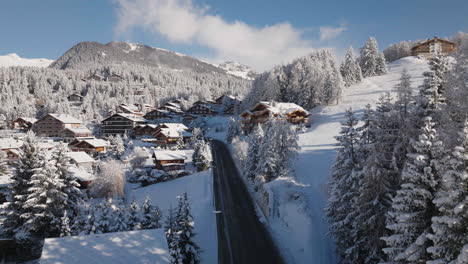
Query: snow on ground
(144, 246)
(216, 127)
(199, 187)
(14, 60)
(300, 229)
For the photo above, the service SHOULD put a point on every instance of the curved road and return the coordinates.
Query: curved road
(242, 239)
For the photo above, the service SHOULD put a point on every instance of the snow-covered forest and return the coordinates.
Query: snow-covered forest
(398, 188)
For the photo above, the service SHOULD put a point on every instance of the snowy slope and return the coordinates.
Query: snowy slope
(237, 69)
(14, 60)
(199, 188)
(301, 228)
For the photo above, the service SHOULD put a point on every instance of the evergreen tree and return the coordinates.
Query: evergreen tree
(170, 228)
(450, 227)
(409, 219)
(233, 130)
(65, 229)
(350, 69)
(104, 217)
(202, 156)
(151, 215)
(381, 67)
(344, 187)
(30, 159)
(135, 217)
(404, 93)
(370, 60)
(4, 168)
(254, 139)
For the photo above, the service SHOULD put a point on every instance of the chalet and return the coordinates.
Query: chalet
(129, 109)
(170, 107)
(94, 77)
(158, 114)
(170, 136)
(175, 126)
(114, 78)
(52, 125)
(169, 160)
(82, 159)
(120, 124)
(227, 100)
(433, 46)
(11, 147)
(75, 98)
(144, 130)
(82, 175)
(24, 123)
(145, 108)
(71, 133)
(90, 146)
(263, 111)
(203, 109)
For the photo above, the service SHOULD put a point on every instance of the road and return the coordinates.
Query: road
(242, 239)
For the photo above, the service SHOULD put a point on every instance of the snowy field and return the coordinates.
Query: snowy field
(199, 187)
(13, 59)
(301, 230)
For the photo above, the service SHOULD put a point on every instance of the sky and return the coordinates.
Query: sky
(258, 33)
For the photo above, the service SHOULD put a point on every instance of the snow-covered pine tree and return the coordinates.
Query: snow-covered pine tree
(409, 219)
(202, 156)
(254, 139)
(65, 229)
(45, 201)
(233, 130)
(30, 159)
(188, 250)
(450, 227)
(343, 187)
(4, 168)
(121, 219)
(369, 59)
(70, 186)
(404, 93)
(119, 146)
(170, 228)
(104, 216)
(134, 216)
(350, 69)
(381, 67)
(151, 215)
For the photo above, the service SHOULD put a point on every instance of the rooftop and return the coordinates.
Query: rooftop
(80, 157)
(170, 155)
(67, 119)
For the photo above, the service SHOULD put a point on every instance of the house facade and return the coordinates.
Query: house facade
(263, 111)
(120, 124)
(433, 46)
(202, 109)
(23, 123)
(90, 146)
(70, 134)
(169, 160)
(52, 125)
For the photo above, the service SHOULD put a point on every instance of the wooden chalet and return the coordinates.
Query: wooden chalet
(120, 124)
(158, 114)
(170, 133)
(94, 77)
(145, 130)
(263, 111)
(129, 109)
(75, 98)
(433, 46)
(202, 109)
(169, 160)
(23, 123)
(69, 134)
(52, 125)
(11, 148)
(90, 146)
(82, 159)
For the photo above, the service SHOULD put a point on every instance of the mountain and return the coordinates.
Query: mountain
(81, 55)
(14, 60)
(237, 69)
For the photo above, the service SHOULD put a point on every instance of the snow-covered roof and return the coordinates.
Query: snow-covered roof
(170, 155)
(67, 119)
(80, 157)
(281, 108)
(10, 143)
(79, 130)
(144, 246)
(81, 174)
(131, 117)
(96, 142)
(177, 126)
(28, 119)
(172, 132)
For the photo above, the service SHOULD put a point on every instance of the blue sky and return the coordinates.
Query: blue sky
(257, 32)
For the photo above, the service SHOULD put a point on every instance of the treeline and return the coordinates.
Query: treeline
(34, 92)
(398, 188)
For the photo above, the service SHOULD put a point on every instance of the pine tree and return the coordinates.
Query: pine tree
(344, 187)
(404, 93)
(30, 159)
(188, 250)
(254, 140)
(135, 217)
(45, 202)
(370, 61)
(381, 67)
(233, 130)
(170, 228)
(104, 216)
(4, 168)
(409, 219)
(119, 146)
(350, 69)
(151, 215)
(65, 229)
(450, 227)
(202, 156)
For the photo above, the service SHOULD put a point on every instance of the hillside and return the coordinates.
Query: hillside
(83, 54)
(301, 229)
(13, 59)
(238, 69)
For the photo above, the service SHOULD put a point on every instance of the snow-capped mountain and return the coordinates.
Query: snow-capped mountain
(238, 69)
(13, 59)
(84, 54)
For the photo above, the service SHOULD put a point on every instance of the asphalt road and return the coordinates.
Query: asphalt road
(242, 239)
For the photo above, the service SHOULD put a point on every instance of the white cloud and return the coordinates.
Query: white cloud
(181, 21)
(329, 32)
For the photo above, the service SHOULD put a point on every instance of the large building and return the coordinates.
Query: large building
(263, 111)
(120, 124)
(433, 46)
(53, 125)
